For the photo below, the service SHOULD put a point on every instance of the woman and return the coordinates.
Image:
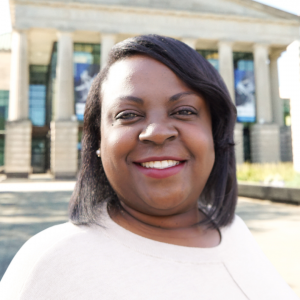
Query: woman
(152, 213)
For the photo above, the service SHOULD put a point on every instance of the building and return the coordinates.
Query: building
(58, 46)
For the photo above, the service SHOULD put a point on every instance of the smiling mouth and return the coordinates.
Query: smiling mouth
(160, 168)
(162, 164)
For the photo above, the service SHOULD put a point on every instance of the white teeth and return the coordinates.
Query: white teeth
(157, 165)
(160, 164)
(164, 164)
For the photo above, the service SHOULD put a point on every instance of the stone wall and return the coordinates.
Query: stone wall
(18, 148)
(265, 146)
(64, 154)
(286, 152)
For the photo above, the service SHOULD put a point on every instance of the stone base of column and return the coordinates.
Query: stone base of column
(239, 143)
(17, 153)
(265, 145)
(64, 153)
(286, 150)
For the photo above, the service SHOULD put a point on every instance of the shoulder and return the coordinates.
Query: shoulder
(41, 252)
(237, 225)
(44, 242)
(248, 265)
(237, 233)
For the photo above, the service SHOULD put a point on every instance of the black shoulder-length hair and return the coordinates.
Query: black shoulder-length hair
(219, 196)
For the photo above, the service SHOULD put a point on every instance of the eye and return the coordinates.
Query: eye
(126, 116)
(184, 112)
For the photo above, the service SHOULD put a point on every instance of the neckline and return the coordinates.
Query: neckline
(158, 249)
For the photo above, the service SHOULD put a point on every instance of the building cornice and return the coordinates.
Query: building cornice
(267, 9)
(152, 11)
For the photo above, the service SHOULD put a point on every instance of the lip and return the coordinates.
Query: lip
(161, 173)
(158, 158)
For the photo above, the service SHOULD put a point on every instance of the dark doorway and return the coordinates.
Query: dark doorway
(37, 114)
(247, 142)
(38, 155)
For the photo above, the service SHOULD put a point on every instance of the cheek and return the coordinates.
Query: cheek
(202, 147)
(207, 151)
(205, 159)
(116, 144)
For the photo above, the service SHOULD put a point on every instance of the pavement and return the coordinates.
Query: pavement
(276, 228)
(30, 206)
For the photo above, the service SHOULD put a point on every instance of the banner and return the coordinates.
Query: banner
(214, 62)
(245, 96)
(84, 74)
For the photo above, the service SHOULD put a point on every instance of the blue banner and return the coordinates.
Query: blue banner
(245, 96)
(84, 74)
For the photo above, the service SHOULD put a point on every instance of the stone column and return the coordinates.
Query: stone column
(64, 107)
(295, 120)
(226, 66)
(239, 143)
(294, 64)
(107, 42)
(277, 103)
(265, 146)
(262, 84)
(285, 142)
(190, 42)
(64, 129)
(18, 128)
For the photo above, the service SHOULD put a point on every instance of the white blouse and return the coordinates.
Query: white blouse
(70, 262)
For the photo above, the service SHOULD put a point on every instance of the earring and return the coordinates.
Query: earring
(98, 153)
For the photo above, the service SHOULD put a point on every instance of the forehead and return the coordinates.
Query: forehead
(139, 74)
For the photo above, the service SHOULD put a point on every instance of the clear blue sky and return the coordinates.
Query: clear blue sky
(292, 6)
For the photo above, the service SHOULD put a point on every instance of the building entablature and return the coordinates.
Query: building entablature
(225, 8)
(208, 23)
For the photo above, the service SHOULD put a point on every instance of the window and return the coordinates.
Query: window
(212, 56)
(37, 95)
(4, 98)
(286, 112)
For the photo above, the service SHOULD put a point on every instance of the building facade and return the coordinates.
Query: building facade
(57, 47)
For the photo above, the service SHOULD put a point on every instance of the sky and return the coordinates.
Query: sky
(285, 62)
(291, 6)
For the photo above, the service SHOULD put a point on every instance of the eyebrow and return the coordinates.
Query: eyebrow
(173, 98)
(132, 98)
(180, 95)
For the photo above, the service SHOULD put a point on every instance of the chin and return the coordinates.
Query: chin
(164, 204)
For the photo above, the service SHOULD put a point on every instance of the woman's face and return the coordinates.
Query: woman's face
(156, 137)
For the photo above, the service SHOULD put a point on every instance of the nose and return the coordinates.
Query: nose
(158, 133)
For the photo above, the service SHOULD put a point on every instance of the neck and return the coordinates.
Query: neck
(186, 219)
(178, 229)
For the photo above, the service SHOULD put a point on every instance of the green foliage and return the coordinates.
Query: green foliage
(278, 174)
